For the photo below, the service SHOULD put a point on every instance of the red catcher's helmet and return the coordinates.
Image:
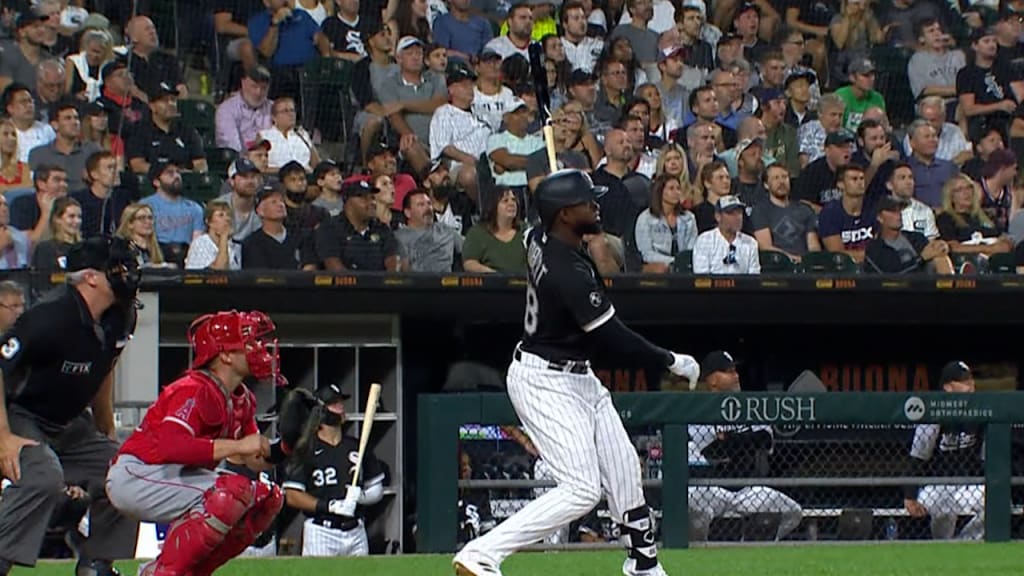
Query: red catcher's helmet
(229, 331)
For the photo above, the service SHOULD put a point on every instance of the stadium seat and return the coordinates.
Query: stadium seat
(773, 262)
(11, 195)
(200, 187)
(219, 159)
(199, 114)
(683, 263)
(828, 263)
(138, 182)
(1002, 264)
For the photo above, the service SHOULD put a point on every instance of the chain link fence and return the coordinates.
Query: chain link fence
(763, 483)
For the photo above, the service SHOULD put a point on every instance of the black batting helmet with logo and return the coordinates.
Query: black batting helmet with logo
(563, 189)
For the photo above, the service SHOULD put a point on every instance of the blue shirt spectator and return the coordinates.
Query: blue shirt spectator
(296, 41)
(462, 32)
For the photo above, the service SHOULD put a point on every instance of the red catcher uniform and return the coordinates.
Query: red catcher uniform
(164, 472)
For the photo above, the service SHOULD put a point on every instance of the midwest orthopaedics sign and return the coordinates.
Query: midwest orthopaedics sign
(769, 409)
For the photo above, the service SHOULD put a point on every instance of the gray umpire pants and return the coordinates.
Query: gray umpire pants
(72, 454)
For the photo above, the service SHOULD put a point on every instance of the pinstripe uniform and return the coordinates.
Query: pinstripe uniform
(325, 476)
(567, 412)
(950, 450)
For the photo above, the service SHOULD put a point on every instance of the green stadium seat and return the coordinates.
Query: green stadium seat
(773, 262)
(1002, 264)
(201, 187)
(828, 263)
(140, 182)
(219, 159)
(199, 114)
(683, 263)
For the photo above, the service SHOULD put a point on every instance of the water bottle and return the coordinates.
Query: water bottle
(204, 84)
(892, 531)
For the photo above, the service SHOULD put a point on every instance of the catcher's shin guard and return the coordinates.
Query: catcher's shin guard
(268, 502)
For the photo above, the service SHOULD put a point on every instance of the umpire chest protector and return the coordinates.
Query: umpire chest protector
(56, 357)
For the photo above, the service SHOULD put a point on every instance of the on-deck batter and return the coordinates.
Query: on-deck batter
(565, 409)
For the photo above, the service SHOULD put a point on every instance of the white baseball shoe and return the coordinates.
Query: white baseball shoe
(629, 570)
(469, 563)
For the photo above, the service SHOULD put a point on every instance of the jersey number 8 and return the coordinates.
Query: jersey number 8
(325, 477)
(530, 319)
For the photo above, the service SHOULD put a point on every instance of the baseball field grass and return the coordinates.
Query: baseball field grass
(932, 559)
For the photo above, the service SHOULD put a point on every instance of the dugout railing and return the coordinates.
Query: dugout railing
(861, 482)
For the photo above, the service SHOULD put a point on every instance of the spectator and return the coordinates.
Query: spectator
(643, 41)
(21, 109)
(674, 97)
(748, 185)
(581, 50)
(781, 225)
(368, 77)
(699, 54)
(230, 23)
(65, 222)
(288, 140)
(1010, 38)
(303, 216)
(544, 23)
(704, 105)
(853, 31)
(917, 216)
(496, 243)
(316, 9)
(930, 172)
(520, 31)
(799, 103)
(66, 150)
(985, 140)
(746, 22)
(751, 128)
(897, 251)
(29, 212)
(14, 245)
(12, 303)
(728, 92)
(273, 246)
(985, 91)
(463, 32)
(384, 199)
(659, 126)
(417, 95)
(845, 224)
(245, 180)
(713, 183)
(343, 31)
(508, 150)
(137, 226)
(860, 94)
(952, 144)
(216, 249)
(354, 240)
(898, 20)
(242, 116)
(382, 160)
(118, 97)
(178, 220)
(452, 207)
(877, 153)
(666, 228)
(771, 69)
(14, 173)
(565, 132)
(101, 202)
(456, 133)
(933, 67)
(21, 57)
(436, 58)
(288, 39)
(96, 129)
(779, 137)
(426, 245)
(409, 18)
(50, 80)
(997, 178)
(164, 135)
(818, 183)
(618, 209)
(150, 66)
(811, 135)
(582, 90)
(726, 249)
(491, 98)
(579, 137)
(964, 224)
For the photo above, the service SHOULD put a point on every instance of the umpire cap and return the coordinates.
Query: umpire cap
(331, 394)
(563, 189)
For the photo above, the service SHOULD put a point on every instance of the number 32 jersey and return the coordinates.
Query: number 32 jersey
(565, 299)
(328, 470)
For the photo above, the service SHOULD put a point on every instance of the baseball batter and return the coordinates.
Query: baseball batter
(320, 482)
(564, 408)
(165, 471)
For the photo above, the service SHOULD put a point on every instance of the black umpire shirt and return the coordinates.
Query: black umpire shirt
(55, 358)
(366, 250)
(565, 299)
(327, 473)
(181, 145)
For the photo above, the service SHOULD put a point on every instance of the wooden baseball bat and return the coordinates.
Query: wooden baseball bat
(549, 141)
(364, 436)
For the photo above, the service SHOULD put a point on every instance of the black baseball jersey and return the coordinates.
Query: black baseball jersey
(475, 518)
(565, 299)
(344, 36)
(949, 449)
(328, 470)
(56, 357)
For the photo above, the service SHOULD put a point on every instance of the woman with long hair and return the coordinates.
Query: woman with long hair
(496, 243)
(65, 230)
(96, 128)
(666, 228)
(672, 162)
(659, 125)
(137, 227)
(82, 70)
(409, 18)
(385, 201)
(582, 141)
(964, 225)
(714, 182)
(14, 174)
(621, 50)
(557, 74)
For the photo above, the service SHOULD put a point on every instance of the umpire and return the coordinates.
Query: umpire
(56, 362)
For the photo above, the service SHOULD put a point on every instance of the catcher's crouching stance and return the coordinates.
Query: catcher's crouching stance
(164, 471)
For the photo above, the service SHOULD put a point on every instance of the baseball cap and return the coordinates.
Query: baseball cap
(742, 146)
(95, 108)
(377, 150)
(331, 394)
(515, 105)
(717, 361)
(242, 166)
(258, 74)
(730, 202)
(157, 168)
(269, 190)
(804, 75)
(861, 66)
(982, 32)
(28, 18)
(768, 94)
(891, 204)
(581, 77)
(746, 7)
(161, 90)
(459, 73)
(699, 4)
(729, 37)
(840, 137)
(111, 67)
(407, 42)
(325, 167)
(437, 165)
(259, 142)
(489, 54)
(956, 371)
(288, 168)
(998, 160)
(670, 52)
(354, 188)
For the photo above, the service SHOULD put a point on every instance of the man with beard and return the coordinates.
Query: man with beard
(319, 482)
(303, 217)
(917, 216)
(163, 136)
(780, 224)
(452, 207)
(876, 153)
(425, 244)
(245, 180)
(177, 221)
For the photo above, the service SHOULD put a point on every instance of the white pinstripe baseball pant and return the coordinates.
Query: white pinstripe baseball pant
(577, 430)
(320, 540)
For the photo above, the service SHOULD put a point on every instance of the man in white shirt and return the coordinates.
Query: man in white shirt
(952, 144)
(508, 149)
(455, 133)
(917, 216)
(725, 249)
(520, 31)
(19, 105)
(580, 50)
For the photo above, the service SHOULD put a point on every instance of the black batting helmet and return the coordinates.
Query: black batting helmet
(562, 189)
(331, 394)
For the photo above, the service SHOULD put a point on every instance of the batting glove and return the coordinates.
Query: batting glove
(687, 367)
(354, 493)
(344, 507)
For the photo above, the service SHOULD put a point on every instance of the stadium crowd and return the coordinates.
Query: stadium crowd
(731, 138)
